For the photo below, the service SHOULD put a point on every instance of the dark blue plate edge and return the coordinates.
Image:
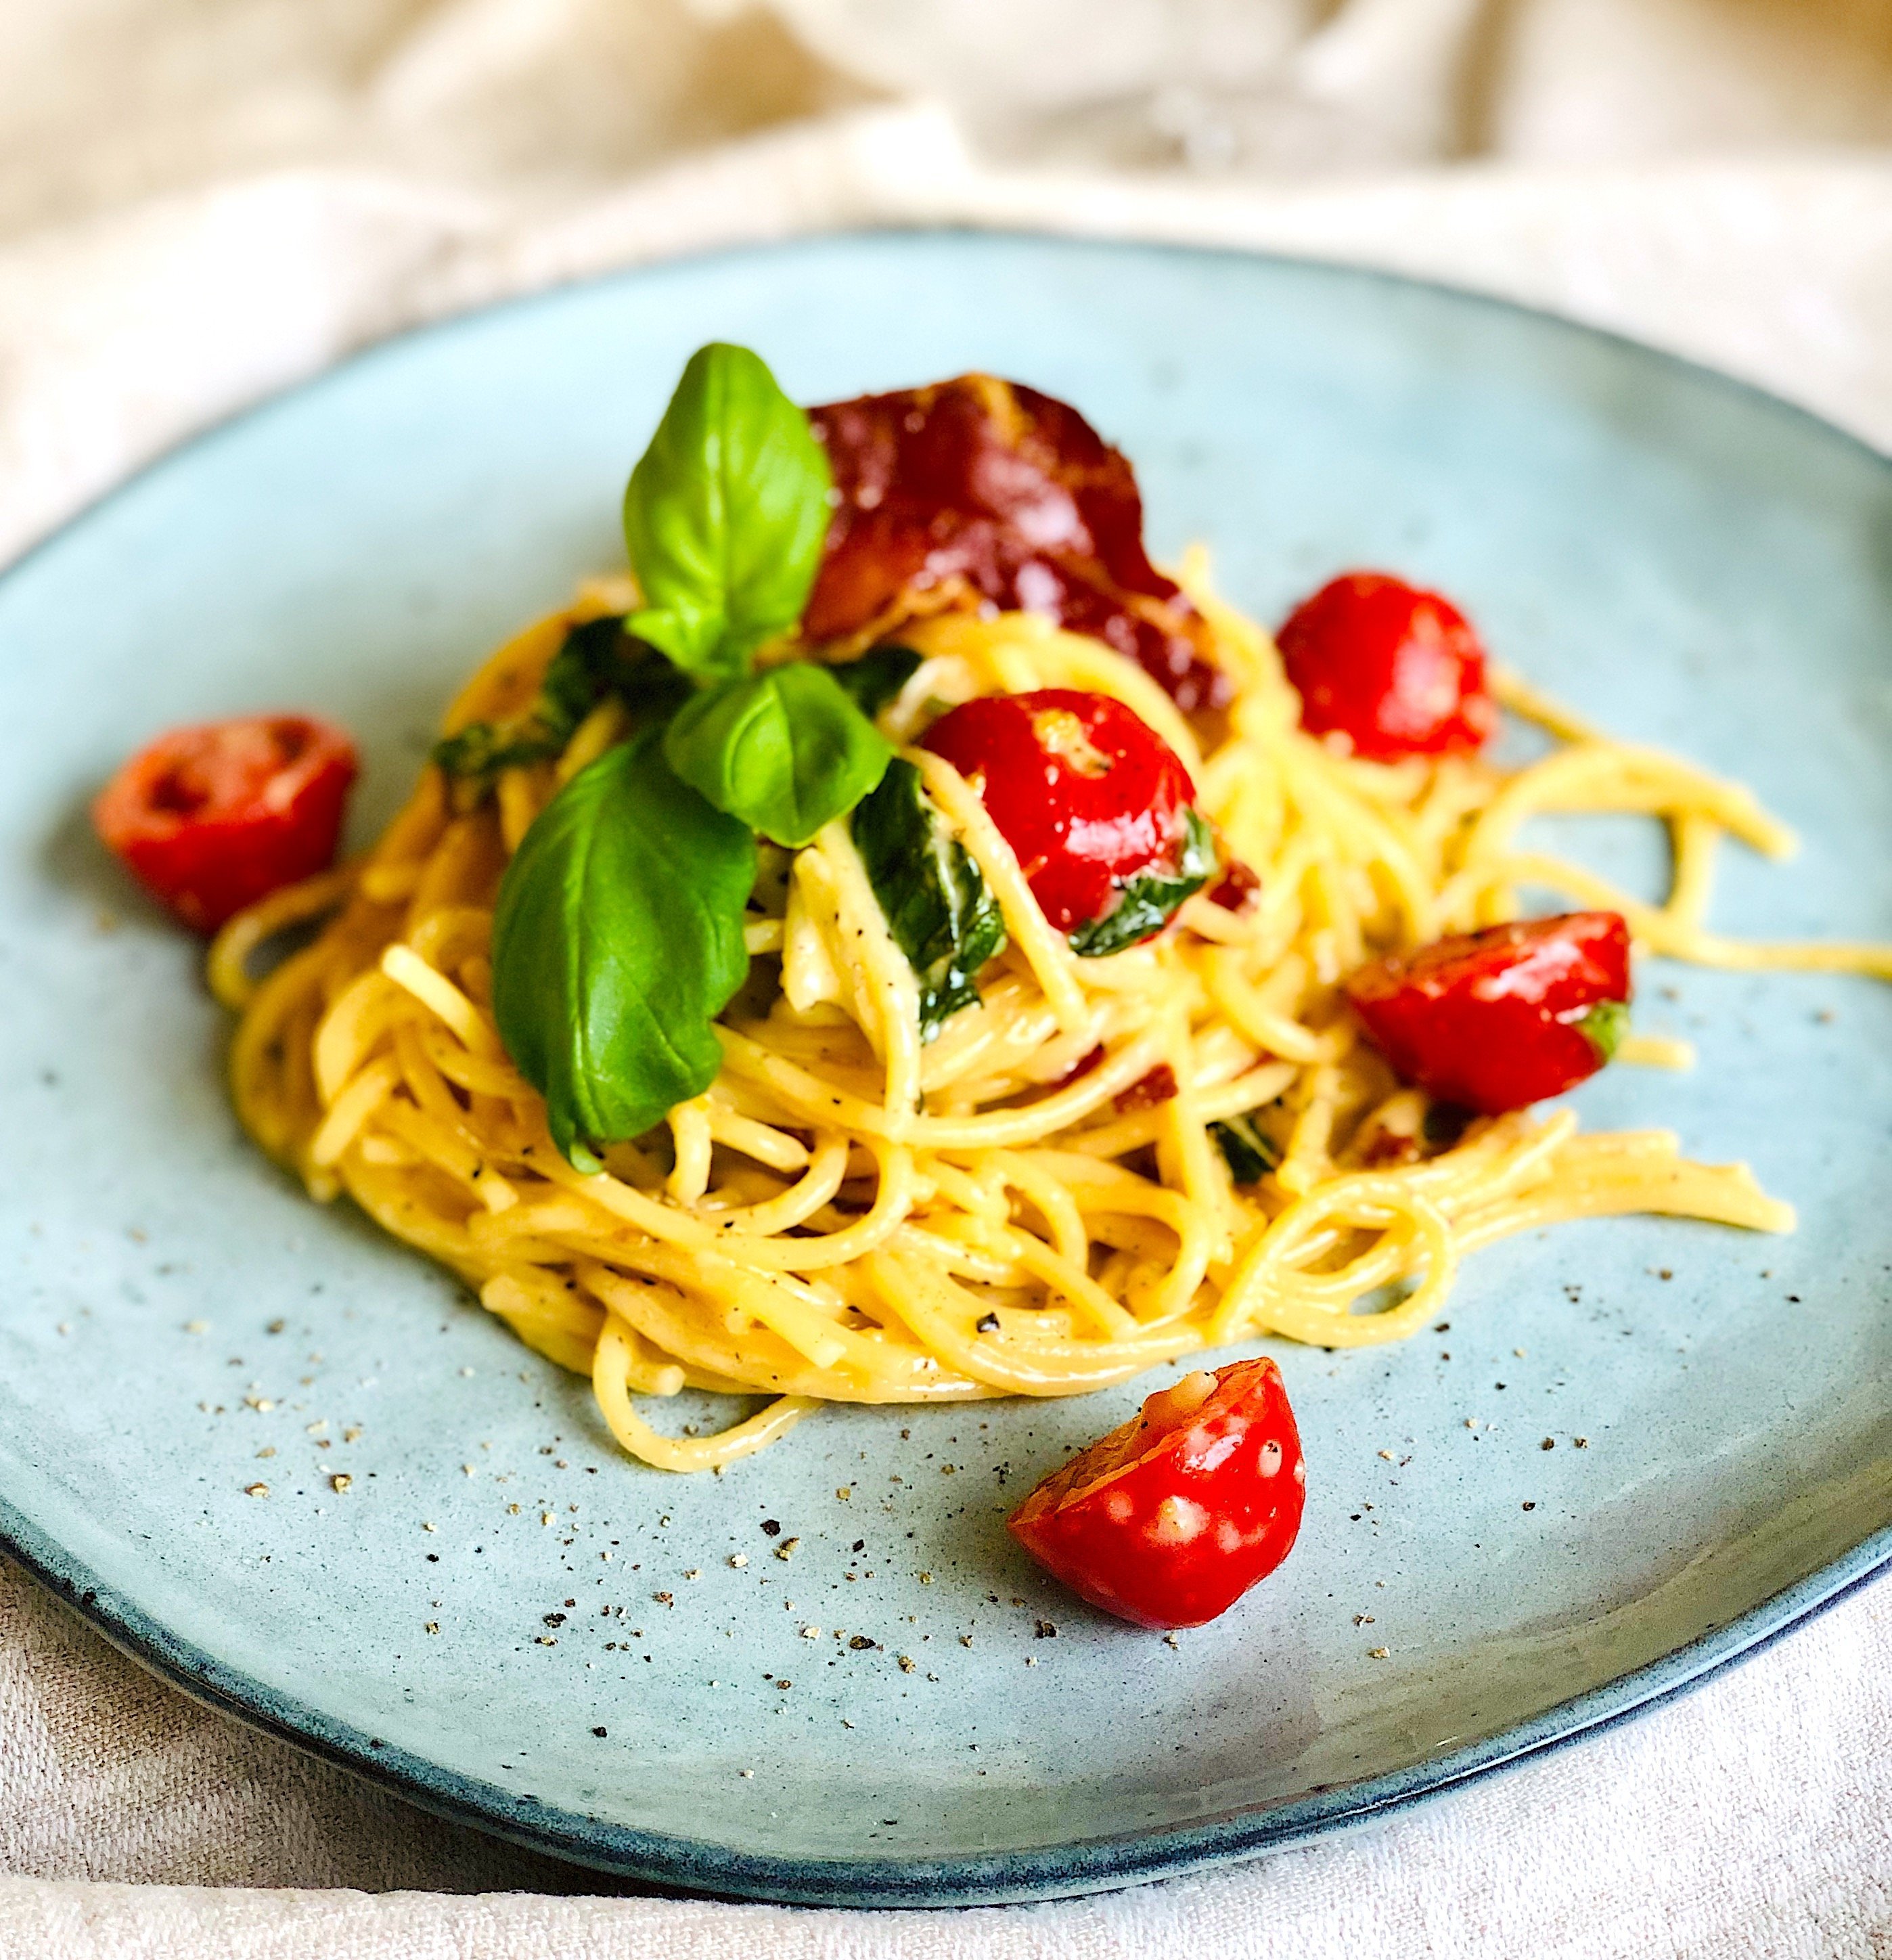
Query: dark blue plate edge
(1086, 1866)
(1052, 1872)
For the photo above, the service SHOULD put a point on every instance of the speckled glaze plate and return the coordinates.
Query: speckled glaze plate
(511, 1622)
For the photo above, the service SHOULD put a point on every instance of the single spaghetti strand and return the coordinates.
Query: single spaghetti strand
(609, 1374)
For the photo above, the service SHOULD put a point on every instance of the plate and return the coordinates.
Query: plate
(508, 1621)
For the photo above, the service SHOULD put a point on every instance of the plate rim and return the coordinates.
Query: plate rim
(1073, 1869)
(1081, 1866)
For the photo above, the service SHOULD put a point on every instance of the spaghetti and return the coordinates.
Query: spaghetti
(1034, 1202)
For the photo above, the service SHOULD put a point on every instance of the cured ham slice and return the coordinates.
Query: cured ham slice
(980, 490)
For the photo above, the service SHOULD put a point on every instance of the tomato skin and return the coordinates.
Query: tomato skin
(1167, 1521)
(1386, 670)
(210, 819)
(1086, 792)
(1239, 883)
(1492, 1021)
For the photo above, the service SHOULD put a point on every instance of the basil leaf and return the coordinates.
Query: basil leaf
(940, 910)
(786, 751)
(725, 515)
(595, 659)
(879, 674)
(599, 657)
(1249, 1155)
(691, 637)
(1147, 902)
(584, 666)
(617, 939)
(1604, 1025)
(481, 750)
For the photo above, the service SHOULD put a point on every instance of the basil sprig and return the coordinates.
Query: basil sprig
(785, 750)
(938, 906)
(1146, 902)
(617, 939)
(725, 515)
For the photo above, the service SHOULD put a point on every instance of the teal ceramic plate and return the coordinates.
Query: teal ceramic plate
(1696, 565)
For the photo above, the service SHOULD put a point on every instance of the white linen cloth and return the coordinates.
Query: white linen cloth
(204, 200)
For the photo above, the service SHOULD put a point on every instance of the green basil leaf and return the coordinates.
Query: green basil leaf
(584, 666)
(691, 637)
(725, 515)
(1249, 1155)
(478, 752)
(879, 674)
(1146, 904)
(938, 906)
(599, 657)
(786, 751)
(617, 939)
(1604, 1025)
(595, 659)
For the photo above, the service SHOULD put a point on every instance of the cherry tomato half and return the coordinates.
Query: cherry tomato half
(1086, 793)
(1169, 1520)
(210, 820)
(1493, 1020)
(1387, 670)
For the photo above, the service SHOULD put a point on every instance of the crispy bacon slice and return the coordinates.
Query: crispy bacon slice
(978, 489)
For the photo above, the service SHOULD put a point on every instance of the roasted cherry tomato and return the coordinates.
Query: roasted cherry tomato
(1491, 1021)
(210, 820)
(1168, 1520)
(1387, 670)
(1236, 889)
(1086, 792)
